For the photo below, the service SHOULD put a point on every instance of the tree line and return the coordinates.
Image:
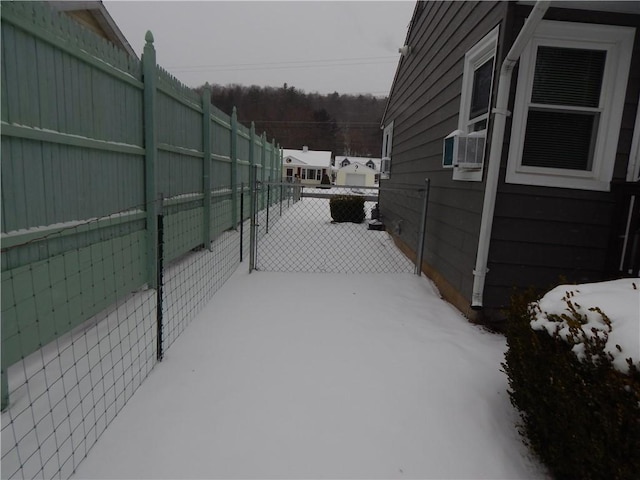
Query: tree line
(344, 124)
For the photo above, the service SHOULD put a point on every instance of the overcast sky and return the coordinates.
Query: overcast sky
(315, 46)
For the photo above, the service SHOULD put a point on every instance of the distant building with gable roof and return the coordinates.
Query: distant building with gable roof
(367, 171)
(307, 165)
(357, 174)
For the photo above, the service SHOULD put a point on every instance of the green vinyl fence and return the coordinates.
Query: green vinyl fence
(100, 141)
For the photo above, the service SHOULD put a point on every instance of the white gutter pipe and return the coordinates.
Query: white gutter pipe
(495, 152)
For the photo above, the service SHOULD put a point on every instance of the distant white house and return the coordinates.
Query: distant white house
(357, 174)
(367, 176)
(307, 165)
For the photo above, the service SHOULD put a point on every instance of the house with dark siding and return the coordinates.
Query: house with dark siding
(524, 118)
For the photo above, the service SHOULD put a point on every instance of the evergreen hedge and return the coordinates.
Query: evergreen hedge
(581, 417)
(347, 208)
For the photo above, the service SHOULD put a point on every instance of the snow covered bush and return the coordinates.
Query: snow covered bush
(573, 369)
(347, 208)
(576, 313)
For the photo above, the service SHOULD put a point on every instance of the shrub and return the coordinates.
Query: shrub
(347, 208)
(581, 417)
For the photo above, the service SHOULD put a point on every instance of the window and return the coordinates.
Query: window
(475, 105)
(387, 142)
(311, 174)
(480, 96)
(568, 109)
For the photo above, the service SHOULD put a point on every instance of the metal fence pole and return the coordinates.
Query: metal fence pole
(241, 219)
(159, 281)
(252, 233)
(268, 203)
(423, 228)
(256, 215)
(5, 388)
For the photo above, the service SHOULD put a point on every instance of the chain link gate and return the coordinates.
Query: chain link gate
(303, 232)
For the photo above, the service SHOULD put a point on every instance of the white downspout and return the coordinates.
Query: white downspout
(495, 151)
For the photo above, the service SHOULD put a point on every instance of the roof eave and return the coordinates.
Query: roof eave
(102, 17)
(395, 77)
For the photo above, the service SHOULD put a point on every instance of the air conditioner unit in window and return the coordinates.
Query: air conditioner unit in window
(450, 148)
(464, 151)
(385, 167)
(473, 151)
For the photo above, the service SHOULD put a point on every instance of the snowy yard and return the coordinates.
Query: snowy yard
(288, 375)
(305, 240)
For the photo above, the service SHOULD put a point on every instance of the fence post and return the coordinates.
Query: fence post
(270, 162)
(234, 168)
(423, 228)
(242, 222)
(206, 166)
(281, 198)
(252, 162)
(263, 162)
(252, 233)
(274, 171)
(275, 161)
(279, 167)
(160, 282)
(150, 74)
(268, 202)
(5, 384)
(279, 162)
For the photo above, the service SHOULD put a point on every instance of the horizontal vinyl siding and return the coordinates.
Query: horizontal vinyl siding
(424, 106)
(542, 235)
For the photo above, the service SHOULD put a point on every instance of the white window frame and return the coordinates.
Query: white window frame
(618, 43)
(387, 145)
(633, 168)
(477, 56)
(311, 174)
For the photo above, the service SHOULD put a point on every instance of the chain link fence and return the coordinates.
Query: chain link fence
(88, 311)
(83, 325)
(331, 229)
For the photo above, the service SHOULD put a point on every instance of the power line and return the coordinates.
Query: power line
(311, 122)
(337, 62)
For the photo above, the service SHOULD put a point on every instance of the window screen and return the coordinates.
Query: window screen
(481, 89)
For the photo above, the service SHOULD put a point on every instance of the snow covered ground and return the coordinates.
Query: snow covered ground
(297, 375)
(304, 239)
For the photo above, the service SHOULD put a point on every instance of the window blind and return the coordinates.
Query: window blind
(568, 76)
